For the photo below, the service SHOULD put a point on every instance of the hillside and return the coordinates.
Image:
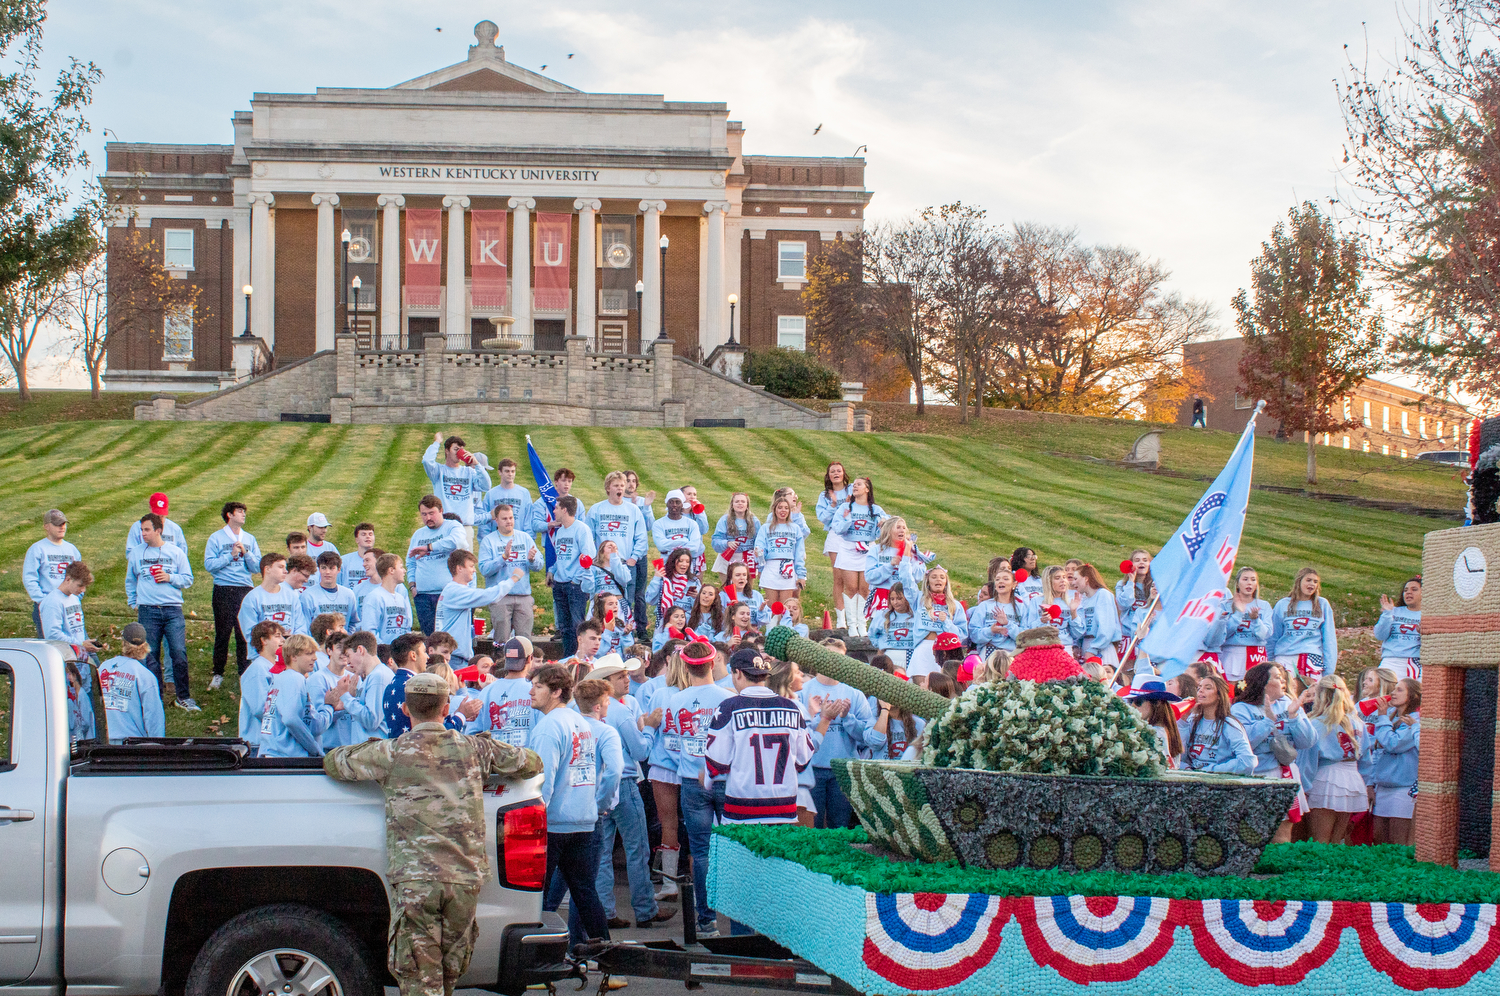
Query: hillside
(969, 499)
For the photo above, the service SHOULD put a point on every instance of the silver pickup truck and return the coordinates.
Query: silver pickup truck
(184, 867)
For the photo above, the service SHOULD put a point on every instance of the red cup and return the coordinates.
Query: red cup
(478, 626)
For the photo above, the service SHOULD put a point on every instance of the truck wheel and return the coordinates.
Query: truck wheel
(283, 950)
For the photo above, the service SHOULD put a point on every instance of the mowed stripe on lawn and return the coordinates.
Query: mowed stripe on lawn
(969, 501)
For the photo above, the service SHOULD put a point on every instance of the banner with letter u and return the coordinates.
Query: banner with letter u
(487, 259)
(551, 259)
(424, 257)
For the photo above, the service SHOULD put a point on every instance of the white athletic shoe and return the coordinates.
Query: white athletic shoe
(216, 682)
(187, 704)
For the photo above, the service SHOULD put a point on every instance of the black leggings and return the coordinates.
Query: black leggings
(227, 599)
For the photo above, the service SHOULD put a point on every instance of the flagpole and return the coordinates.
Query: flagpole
(1136, 636)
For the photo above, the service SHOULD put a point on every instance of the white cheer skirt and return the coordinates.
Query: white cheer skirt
(1235, 661)
(1339, 787)
(921, 662)
(667, 776)
(852, 559)
(805, 800)
(1405, 667)
(833, 542)
(1394, 801)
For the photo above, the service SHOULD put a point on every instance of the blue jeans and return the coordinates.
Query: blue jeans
(700, 807)
(629, 818)
(834, 810)
(164, 623)
(572, 856)
(638, 581)
(426, 606)
(570, 606)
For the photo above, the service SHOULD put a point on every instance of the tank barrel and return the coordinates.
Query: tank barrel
(784, 643)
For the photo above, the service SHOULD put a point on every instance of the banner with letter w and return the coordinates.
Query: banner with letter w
(487, 259)
(554, 237)
(1195, 565)
(424, 257)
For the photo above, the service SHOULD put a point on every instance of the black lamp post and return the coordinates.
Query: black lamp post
(246, 334)
(355, 283)
(640, 291)
(663, 278)
(734, 299)
(344, 277)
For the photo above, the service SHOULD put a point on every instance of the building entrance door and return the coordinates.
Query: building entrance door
(550, 333)
(612, 337)
(418, 329)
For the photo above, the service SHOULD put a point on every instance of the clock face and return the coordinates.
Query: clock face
(617, 255)
(1469, 573)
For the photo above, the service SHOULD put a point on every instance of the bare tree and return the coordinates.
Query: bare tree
(24, 308)
(85, 319)
(965, 280)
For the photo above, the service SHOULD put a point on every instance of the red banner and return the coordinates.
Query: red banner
(424, 257)
(554, 236)
(487, 267)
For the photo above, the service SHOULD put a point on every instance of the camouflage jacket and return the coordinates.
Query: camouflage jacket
(434, 797)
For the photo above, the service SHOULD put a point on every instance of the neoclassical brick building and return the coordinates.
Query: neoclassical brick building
(481, 190)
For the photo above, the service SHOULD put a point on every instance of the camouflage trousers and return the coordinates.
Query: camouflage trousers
(432, 935)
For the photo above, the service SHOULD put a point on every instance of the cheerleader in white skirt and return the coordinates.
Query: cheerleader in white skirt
(1337, 791)
(835, 492)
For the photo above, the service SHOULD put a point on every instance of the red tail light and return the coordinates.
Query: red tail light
(523, 847)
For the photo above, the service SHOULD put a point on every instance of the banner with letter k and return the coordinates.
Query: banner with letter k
(487, 269)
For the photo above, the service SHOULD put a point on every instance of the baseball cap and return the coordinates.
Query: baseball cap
(54, 517)
(516, 654)
(610, 665)
(675, 493)
(948, 641)
(426, 684)
(133, 633)
(751, 662)
(526, 646)
(158, 503)
(318, 519)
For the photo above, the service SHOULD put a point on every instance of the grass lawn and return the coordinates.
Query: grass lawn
(969, 496)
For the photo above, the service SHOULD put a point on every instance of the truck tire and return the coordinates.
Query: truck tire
(283, 950)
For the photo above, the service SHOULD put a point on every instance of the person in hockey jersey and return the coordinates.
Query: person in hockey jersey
(461, 480)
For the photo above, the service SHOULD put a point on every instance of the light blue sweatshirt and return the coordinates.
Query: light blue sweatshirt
(282, 606)
(570, 771)
(459, 487)
(1399, 631)
(142, 589)
(611, 755)
(760, 612)
(925, 621)
(430, 571)
(669, 534)
(748, 531)
(171, 533)
(318, 600)
(624, 717)
(1218, 746)
(517, 497)
(572, 543)
(455, 612)
(1295, 631)
(886, 566)
(622, 523)
(827, 506)
(498, 553)
(648, 514)
(387, 614)
(340, 731)
(62, 618)
(1018, 614)
(132, 699)
(858, 523)
(850, 732)
(1237, 629)
(353, 571)
(1260, 729)
(1097, 623)
(1334, 746)
(616, 641)
(1396, 761)
(227, 569)
(293, 724)
(255, 684)
(366, 709)
(781, 553)
(505, 712)
(601, 580)
(686, 715)
(44, 566)
(1131, 600)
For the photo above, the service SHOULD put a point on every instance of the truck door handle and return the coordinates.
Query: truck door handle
(15, 815)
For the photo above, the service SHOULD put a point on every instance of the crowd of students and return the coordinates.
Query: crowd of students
(636, 722)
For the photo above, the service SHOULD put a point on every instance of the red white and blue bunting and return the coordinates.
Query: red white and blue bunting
(1258, 943)
(1095, 938)
(1428, 946)
(927, 940)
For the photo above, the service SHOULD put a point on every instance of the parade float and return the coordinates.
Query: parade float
(1039, 847)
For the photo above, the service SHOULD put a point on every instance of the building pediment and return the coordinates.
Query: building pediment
(486, 71)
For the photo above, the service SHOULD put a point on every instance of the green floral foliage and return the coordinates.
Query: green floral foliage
(894, 809)
(1070, 727)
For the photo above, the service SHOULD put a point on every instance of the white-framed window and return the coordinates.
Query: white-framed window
(1367, 446)
(1440, 430)
(1242, 402)
(1385, 449)
(1367, 413)
(1385, 418)
(1403, 454)
(791, 332)
(1346, 442)
(1346, 409)
(791, 261)
(178, 254)
(177, 334)
(1421, 426)
(1405, 430)
(1327, 438)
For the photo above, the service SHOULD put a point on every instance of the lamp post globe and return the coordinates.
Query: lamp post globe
(355, 284)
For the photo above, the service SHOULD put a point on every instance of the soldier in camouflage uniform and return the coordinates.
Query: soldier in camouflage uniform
(434, 832)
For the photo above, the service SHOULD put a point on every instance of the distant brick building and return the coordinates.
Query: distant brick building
(481, 190)
(1396, 421)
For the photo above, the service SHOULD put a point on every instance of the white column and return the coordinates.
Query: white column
(263, 267)
(716, 330)
(241, 225)
(325, 294)
(390, 265)
(651, 274)
(587, 298)
(520, 265)
(458, 292)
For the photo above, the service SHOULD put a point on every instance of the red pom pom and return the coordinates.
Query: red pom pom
(777, 609)
(697, 509)
(674, 632)
(1054, 612)
(1127, 567)
(658, 563)
(585, 561)
(1021, 575)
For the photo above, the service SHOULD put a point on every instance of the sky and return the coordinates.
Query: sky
(1183, 129)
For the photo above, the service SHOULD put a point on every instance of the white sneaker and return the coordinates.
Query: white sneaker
(187, 704)
(216, 682)
(708, 930)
